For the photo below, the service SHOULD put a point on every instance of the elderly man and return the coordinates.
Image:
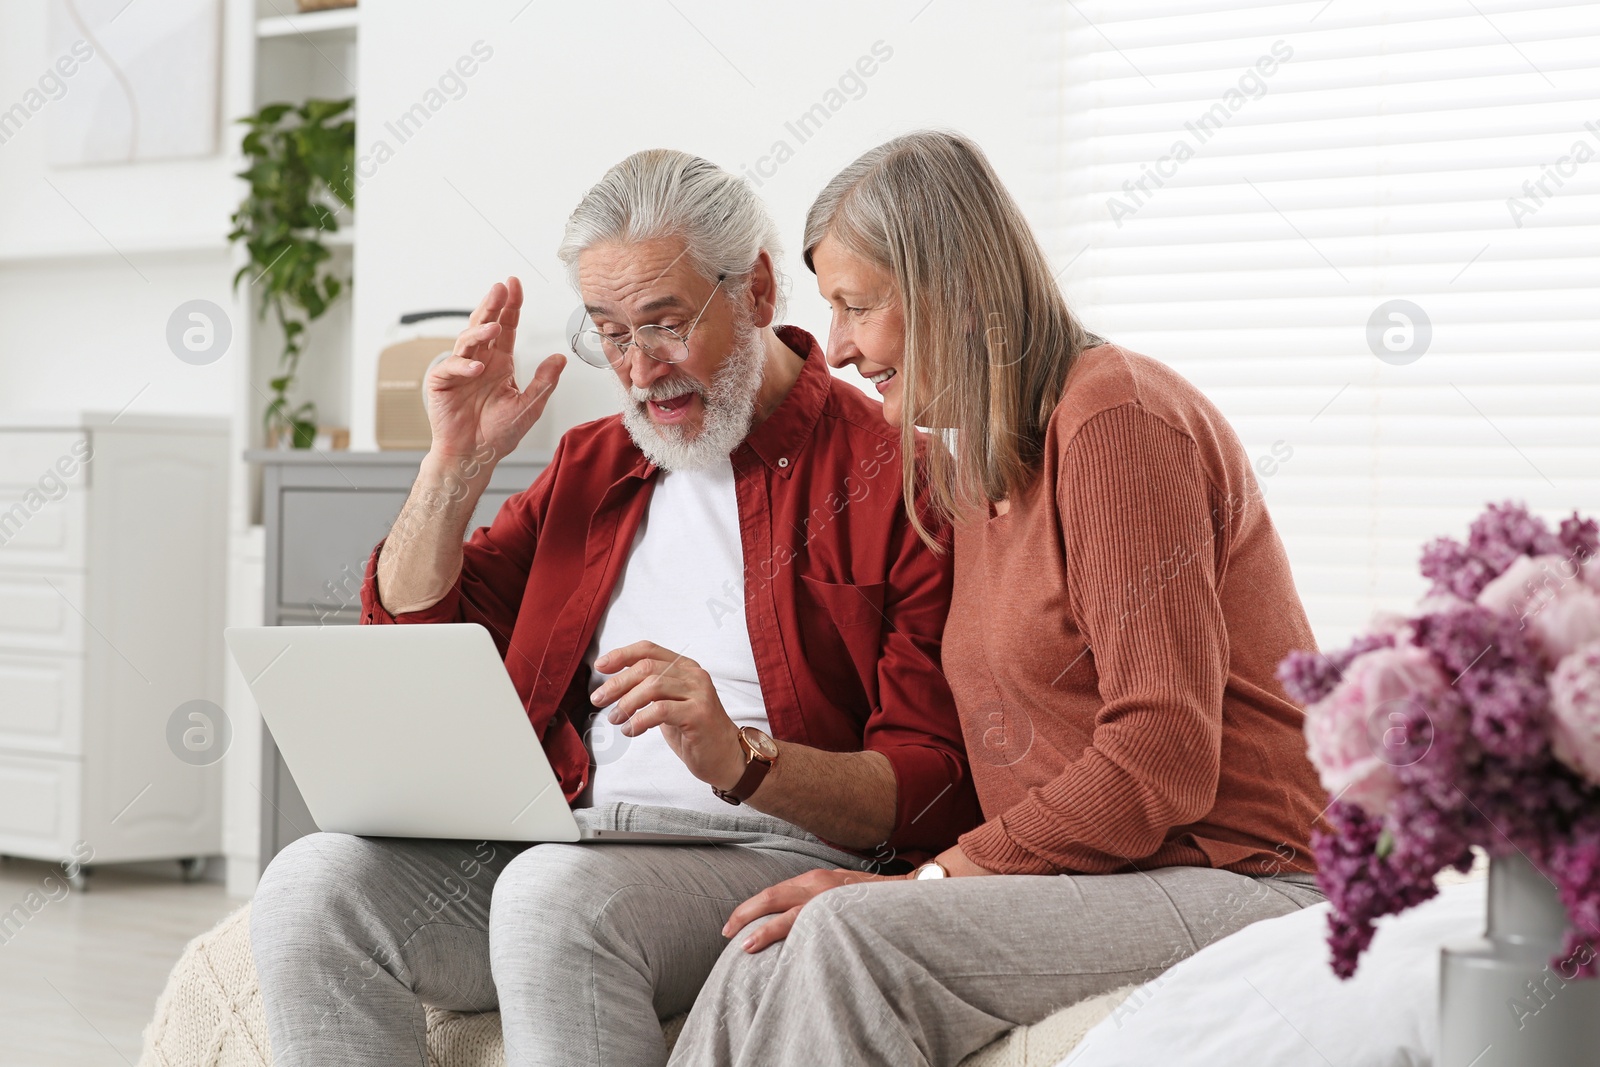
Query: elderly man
(726, 570)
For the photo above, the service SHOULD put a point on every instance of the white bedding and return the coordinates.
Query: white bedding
(1266, 995)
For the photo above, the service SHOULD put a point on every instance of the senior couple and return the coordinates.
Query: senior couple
(987, 717)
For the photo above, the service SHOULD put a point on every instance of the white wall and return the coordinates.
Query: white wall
(483, 188)
(165, 202)
(94, 259)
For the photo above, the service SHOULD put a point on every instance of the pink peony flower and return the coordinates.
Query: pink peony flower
(1553, 598)
(1571, 623)
(1575, 711)
(1354, 735)
(1529, 583)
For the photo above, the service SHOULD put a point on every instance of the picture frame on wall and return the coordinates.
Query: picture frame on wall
(145, 83)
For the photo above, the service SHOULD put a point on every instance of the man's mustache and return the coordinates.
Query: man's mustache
(665, 389)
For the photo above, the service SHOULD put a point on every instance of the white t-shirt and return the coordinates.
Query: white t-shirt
(683, 588)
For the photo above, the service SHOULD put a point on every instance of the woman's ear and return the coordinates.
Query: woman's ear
(764, 291)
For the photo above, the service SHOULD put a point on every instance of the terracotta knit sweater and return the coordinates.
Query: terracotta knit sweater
(1112, 640)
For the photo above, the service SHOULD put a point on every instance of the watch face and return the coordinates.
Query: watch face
(764, 746)
(931, 869)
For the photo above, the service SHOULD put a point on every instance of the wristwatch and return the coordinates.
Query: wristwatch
(931, 869)
(760, 753)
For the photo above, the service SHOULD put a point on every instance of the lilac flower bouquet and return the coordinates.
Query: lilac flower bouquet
(1473, 721)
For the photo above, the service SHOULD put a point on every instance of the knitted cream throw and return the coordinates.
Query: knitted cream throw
(210, 1015)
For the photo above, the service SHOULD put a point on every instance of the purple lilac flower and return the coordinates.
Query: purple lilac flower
(1505, 531)
(1580, 538)
(1438, 744)
(1361, 885)
(1455, 570)
(1575, 866)
(1496, 538)
(1499, 674)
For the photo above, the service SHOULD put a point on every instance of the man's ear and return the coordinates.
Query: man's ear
(764, 291)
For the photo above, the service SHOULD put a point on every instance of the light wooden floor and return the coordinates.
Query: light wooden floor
(79, 978)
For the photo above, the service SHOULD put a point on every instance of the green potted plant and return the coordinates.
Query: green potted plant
(301, 175)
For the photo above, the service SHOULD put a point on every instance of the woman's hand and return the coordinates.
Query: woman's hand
(785, 900)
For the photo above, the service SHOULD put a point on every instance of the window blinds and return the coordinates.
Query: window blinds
(1371, 233)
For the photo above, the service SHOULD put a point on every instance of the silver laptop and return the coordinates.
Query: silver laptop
(410, 731)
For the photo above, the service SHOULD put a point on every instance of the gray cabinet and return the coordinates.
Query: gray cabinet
(322, 513)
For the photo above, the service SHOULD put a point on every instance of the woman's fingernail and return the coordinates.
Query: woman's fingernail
(749, 945)
(596, 698)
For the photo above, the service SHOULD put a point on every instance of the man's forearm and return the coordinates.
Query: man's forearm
(847, 798)
(421, 557)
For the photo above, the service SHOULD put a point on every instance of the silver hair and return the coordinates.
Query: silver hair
(662, 192)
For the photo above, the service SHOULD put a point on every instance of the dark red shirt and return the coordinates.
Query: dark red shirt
(844, 603)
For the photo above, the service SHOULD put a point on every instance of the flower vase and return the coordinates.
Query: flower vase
(1502, 1003)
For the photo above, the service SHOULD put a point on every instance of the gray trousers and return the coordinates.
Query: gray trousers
(583, 948)
(930, 972)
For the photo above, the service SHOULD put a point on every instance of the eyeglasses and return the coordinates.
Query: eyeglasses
(600, 349)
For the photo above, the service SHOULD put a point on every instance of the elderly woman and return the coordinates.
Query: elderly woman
(1121, 598)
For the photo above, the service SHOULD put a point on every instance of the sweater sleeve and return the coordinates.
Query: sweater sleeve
(1142, 571)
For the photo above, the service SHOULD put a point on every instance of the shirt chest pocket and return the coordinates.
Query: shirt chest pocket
(842, 626)
(848, 605)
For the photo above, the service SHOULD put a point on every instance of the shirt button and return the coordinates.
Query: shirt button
(783, 461)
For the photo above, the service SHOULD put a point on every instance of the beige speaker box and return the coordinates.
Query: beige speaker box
(402, 421)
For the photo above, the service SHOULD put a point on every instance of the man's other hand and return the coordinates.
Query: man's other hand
(654, 686)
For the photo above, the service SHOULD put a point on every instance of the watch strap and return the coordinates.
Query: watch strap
(755, 769)
(754, 772)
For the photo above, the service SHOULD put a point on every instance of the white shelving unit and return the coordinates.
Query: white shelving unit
(96, 248)
(299, 57)
(336, 24)
(290, 57)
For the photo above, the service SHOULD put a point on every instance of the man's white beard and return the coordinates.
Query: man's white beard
(727, 408)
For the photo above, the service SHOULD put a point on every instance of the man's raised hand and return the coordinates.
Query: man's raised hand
(474, 405)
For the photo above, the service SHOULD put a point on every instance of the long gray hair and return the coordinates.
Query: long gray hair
(662, 192)
(989, 339)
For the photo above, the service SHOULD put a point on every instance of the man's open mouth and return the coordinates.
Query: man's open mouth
(677, 403)
(671, 409)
